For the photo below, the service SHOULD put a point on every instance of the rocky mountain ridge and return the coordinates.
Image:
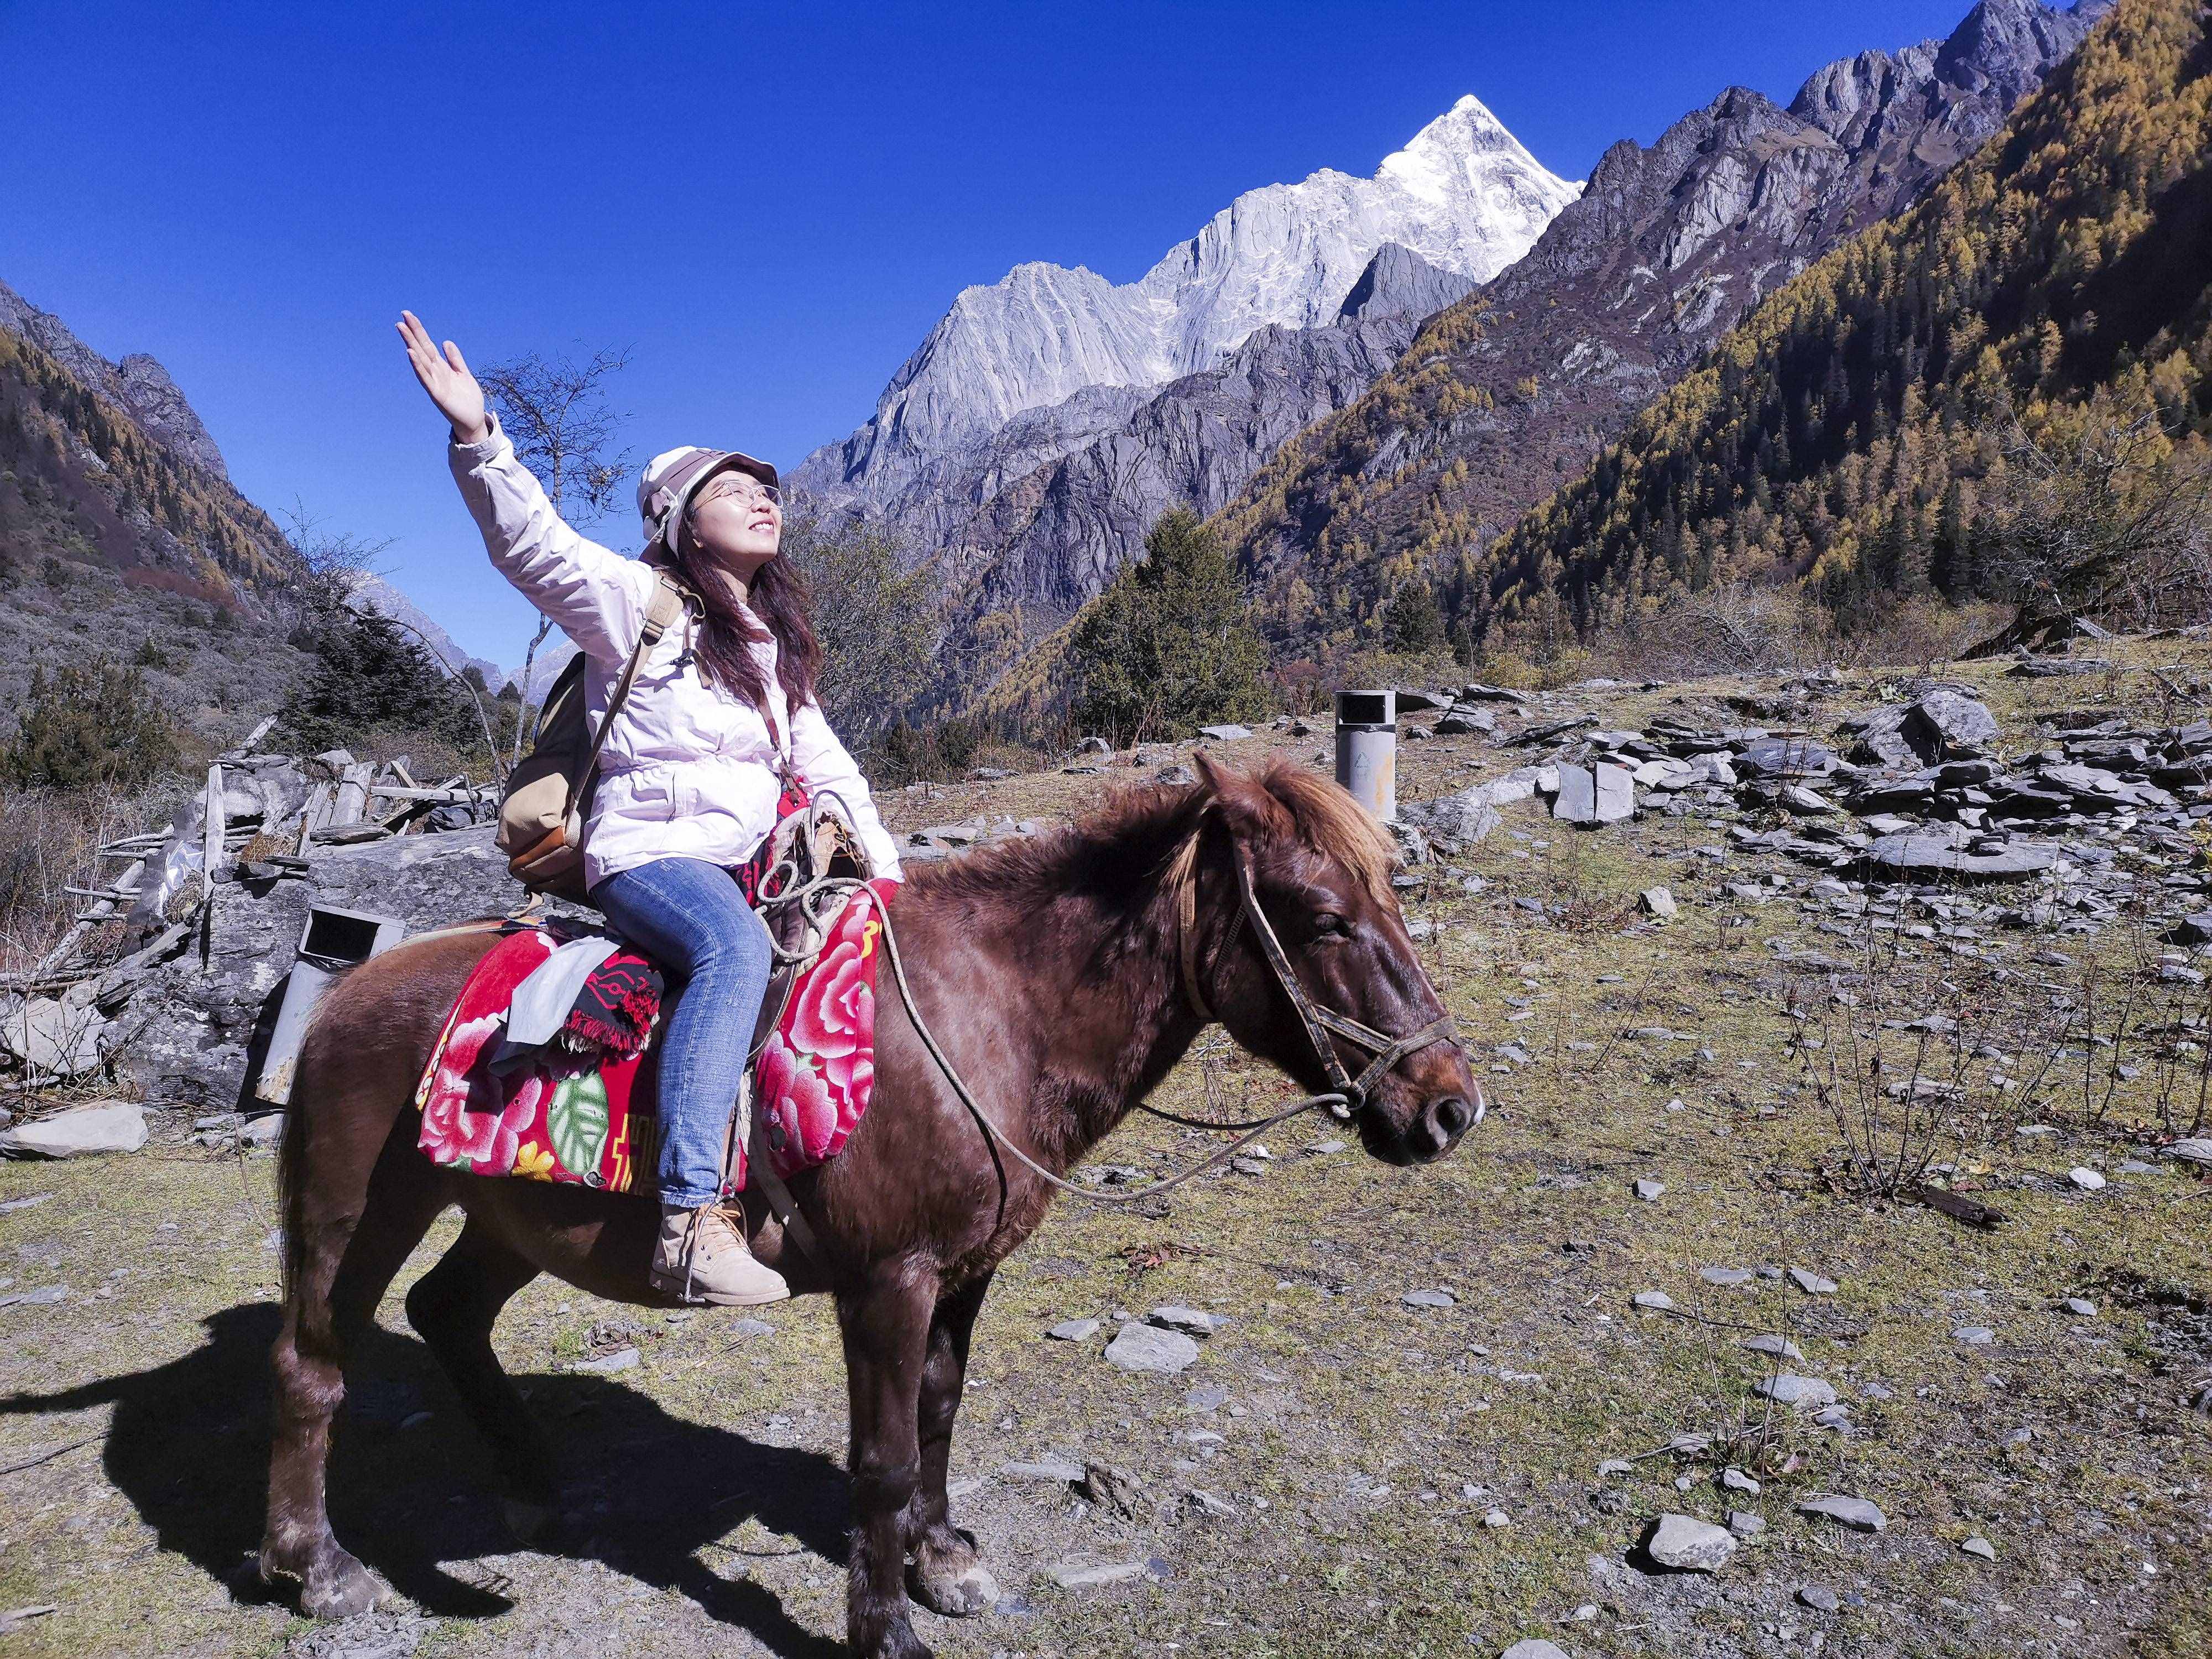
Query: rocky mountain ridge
(138, 384)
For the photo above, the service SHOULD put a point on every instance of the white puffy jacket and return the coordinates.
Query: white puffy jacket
(688, 771)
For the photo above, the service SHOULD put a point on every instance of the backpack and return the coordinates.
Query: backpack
(548, 799)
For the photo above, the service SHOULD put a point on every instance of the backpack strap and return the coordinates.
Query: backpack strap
(661, 612)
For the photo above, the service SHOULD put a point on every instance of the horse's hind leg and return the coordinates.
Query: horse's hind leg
(948, 1575)
(355, 1231)
(453, 1307)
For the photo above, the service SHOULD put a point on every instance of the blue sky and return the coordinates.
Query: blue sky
(769, 205)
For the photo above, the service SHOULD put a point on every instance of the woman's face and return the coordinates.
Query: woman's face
(736, 520)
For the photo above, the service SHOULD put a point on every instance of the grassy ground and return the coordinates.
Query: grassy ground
(1365, 1447)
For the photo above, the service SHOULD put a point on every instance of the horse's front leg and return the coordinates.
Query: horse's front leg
(948, 1575)
(885, 1323)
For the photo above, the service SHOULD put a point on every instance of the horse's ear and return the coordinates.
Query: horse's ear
(1251, 812)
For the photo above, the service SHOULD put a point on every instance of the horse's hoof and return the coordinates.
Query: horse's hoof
(951, 1580)
(338, 1587)
(530, 1523)
(956, 1595)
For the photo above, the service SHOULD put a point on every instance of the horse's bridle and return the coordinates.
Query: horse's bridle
(1319, 1022)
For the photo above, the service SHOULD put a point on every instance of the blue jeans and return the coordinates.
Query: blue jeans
(714, 951)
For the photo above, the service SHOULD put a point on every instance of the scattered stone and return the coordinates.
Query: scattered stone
(1147, 1349)
(751, 1328)
(110, 1125)
(1774, 1346)
(1657, 1301)
(1192, 1322)
(1920, 856)
(1974, 1336)
(1788, 1388)
(2086, 1179)
(1206, 1397)
(1429, 1299)
(1225, 734)
(1945, 724)
(1208, 1505)
(1613, 1466)
(2195, 1150)
(1114, 1488)
(1052, 1471)
(1069, 1576)
(1820, 1598)
(1726, 1277)
(1687, 1544)
(1455, 821)
(1979, 1547)
(1736, 1480)
(2080, 1307)
(1856, 1513)
(1744, 1524)
(1658, 901)
(1534, 1647)
(1650, 1190)
(1074, 1330)
(621, 1359)
(1811, 1283)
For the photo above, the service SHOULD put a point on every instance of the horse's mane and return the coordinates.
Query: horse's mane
(1139, 826)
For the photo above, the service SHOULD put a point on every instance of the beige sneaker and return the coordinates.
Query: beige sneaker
(702, 1257)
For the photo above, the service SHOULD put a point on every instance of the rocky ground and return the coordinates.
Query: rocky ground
(1443, 1410)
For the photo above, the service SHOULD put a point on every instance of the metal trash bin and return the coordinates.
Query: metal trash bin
(1367, 749)
(332, 941)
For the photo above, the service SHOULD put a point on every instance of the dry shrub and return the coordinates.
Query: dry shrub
(50, 839)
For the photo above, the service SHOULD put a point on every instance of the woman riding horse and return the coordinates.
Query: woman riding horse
(720, 724)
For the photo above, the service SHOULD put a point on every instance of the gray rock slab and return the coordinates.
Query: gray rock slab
(1192, 1322)
(1049, 1470)
(1811, 1283)
(1577, 801)
(1535, 1647)
(1945, 723)
(1226, 734)
(1148, 1350)
(1429, 1299)
(1070, 1575)
(114, 1126)
(1074, 1330)
(1918, 856)
(1856, 1513)
(1820, 1598)
(1773, 1346)
(1616, 793)
(1788, 1388)
(1454, 822)
(1657, 902)
(1728, 1278)
(1688, 1545)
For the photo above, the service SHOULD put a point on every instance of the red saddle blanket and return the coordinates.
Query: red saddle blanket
(588, 1116)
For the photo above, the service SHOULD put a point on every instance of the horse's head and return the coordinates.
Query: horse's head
(1317, 870)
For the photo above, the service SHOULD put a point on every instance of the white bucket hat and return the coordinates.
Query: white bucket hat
(673, 476)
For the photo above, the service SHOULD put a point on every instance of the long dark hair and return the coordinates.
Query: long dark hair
(779, 599)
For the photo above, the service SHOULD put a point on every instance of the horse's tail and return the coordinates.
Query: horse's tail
(292, 1145)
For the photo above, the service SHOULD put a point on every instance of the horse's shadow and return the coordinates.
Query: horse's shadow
(645, 1492)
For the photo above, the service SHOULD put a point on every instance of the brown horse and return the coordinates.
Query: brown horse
(1058, 975)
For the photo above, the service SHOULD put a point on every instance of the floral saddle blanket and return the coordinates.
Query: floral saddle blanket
(580, 1108)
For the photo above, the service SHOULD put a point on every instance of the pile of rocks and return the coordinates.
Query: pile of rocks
(1914, 792)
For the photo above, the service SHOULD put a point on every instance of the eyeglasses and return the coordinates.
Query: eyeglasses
(736, 487)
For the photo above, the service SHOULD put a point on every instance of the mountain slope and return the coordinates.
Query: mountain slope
(1841, 433)
(107, 463)
(1513, 389)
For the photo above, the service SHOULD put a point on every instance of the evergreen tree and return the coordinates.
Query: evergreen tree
(88, 726)
(1168, 646)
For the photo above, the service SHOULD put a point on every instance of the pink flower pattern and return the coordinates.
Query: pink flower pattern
(818, 1071)
(812, 1081)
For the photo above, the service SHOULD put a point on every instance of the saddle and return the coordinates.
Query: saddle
(578, 1112)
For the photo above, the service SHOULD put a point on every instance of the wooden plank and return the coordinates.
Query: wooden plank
(211, 842)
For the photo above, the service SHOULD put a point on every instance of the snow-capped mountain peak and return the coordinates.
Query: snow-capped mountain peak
(1463, 194)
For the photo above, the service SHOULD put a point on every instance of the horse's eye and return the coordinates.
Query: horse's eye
(1329, 925)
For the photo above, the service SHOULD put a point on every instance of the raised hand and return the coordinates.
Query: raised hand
(446, 379)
